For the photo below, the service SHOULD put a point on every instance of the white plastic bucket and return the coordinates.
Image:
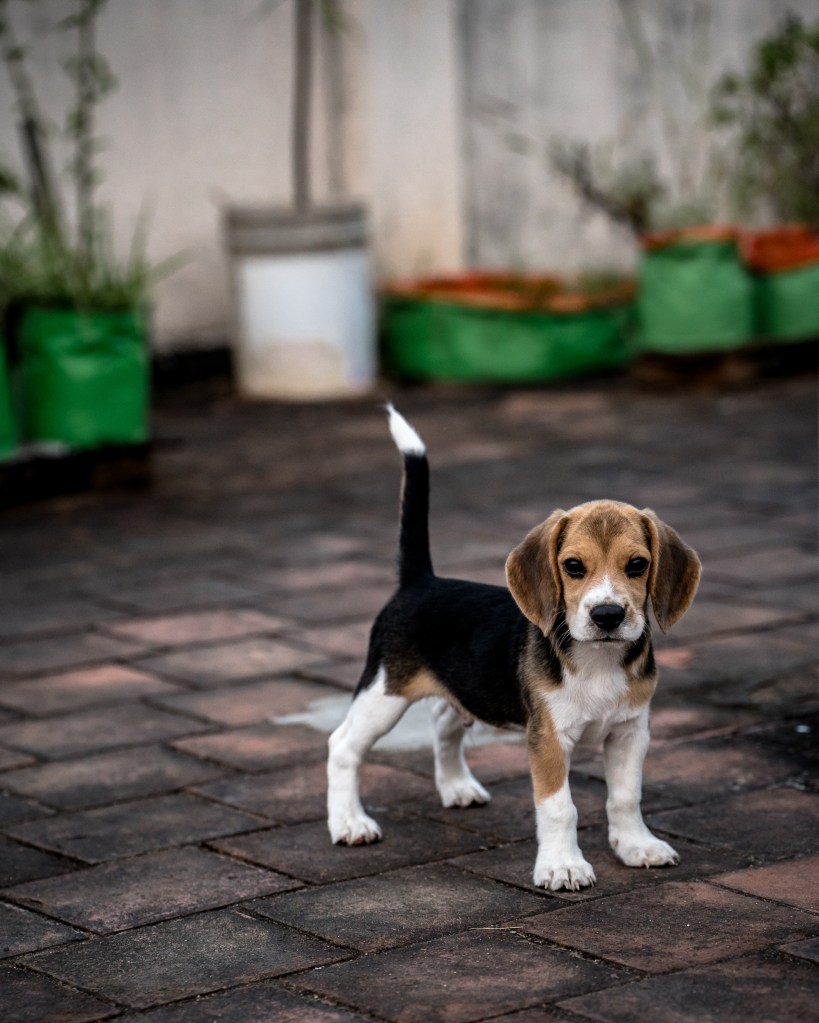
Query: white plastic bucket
(305, 311)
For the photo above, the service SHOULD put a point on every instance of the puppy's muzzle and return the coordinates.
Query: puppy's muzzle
(607, 617)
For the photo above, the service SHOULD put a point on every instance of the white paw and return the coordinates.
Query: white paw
(645, 852)
(353, 829)
(572, 875)
(462, 792)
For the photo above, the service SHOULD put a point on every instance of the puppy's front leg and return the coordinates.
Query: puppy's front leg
(623, 753)
(559, 863)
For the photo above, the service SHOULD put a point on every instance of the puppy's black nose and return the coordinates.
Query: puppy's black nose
(607, 616)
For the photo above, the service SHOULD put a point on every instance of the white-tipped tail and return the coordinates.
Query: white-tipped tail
(406, 438)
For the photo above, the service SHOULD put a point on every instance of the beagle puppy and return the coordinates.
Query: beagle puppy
(564, 653)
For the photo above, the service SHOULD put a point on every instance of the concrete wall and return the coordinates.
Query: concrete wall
(437, 113)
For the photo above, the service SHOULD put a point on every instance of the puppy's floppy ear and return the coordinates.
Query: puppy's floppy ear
(674, 574)
(532, 572)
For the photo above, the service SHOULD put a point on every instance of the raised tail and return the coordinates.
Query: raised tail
(414, 560)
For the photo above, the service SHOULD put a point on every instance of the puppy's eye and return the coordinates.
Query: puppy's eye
(574, 568)
(636, 567)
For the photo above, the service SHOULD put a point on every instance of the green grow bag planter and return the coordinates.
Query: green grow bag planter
(436, 332)
(8, 424)
(695, 294)
(83, 376)
(788, 304)
(785, 261)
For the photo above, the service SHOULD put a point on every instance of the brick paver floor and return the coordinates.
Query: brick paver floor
(172, 659)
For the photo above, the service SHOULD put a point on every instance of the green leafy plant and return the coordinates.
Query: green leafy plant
(41, 258)
(773, 109)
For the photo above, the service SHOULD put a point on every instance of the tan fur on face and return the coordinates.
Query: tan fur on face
(604, 536)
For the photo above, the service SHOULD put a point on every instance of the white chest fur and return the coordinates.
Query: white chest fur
(593, 697)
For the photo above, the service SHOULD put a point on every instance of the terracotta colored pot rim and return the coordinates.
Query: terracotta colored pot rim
(507, 291)
(701, 233)
(786, 247)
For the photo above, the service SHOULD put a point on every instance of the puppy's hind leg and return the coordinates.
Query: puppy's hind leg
(456, 784)
(373, 713)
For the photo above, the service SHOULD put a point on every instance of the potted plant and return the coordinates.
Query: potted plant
(774, 109)
(695, 293)
(77, 316)
(301, 274)
(504, 327)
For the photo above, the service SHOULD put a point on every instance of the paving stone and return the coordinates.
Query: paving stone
(32, 998)
(742, 661)
(328, 574)
(456, 979)
(796, 740)
(299, 793)
(194, 955)
(53, 653)
(697, 770)
(210, 666)
(804, 949)
(197, 627)
(21, 931)
(759, 567)
(248, 703)
(398, 907)
(122, 774)
(125, 829)
(709, 616)
(335, 605)
(514, 864)
(22, 617)
(10, 758)
(339, 640)
(534, 1016)
(798, 597)
(510, 816)
(14, 809)
(671, 926)
(97, 729)
(20, 863)
(259, 747)
(264, 1002)
(795, 882)
(752, 989)
(680, 721)
(157, 886)
(793, 692)
(69, 691)
(504, 760)
(345, 674)
(305, 850)
(770, 824)
(178, 594)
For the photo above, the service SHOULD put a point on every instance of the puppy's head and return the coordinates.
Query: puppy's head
(599, 563)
